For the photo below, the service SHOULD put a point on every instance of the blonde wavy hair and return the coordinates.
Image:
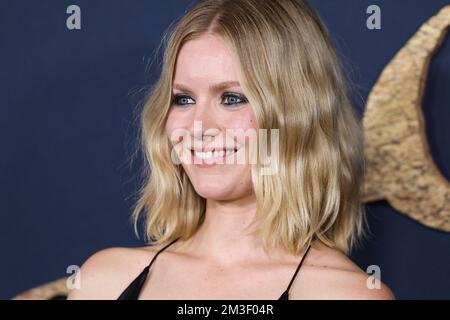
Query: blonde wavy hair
(293, 78)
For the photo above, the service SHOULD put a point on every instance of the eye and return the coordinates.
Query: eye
(233, 99)
(182, 100)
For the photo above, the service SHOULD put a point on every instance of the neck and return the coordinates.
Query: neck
(223, 237)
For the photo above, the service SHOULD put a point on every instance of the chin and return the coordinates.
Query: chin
(222, 186)
(214, 193)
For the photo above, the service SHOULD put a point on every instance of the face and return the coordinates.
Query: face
(209, 119)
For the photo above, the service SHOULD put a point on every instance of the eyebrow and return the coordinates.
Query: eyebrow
(214, 87)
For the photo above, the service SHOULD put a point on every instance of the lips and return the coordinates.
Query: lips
(212, 153)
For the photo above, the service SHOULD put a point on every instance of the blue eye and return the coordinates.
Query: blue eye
(182, 100)
(232, 99)
(228, 99)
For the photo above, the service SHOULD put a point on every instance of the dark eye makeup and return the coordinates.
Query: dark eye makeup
(229, 99)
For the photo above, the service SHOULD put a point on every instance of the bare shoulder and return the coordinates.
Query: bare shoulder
(105, 274)
(330, 274)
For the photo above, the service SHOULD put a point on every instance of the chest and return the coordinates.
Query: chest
(198, 281)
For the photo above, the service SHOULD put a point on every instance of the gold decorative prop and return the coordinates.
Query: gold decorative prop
(400, 167)
(48, 291)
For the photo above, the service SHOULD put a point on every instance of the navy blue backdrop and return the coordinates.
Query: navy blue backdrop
(67, 107)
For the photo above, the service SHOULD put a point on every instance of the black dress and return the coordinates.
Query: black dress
(134, 289)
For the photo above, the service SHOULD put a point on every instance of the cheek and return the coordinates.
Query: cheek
(243, 122)
(244, 119)
(176, 125)
(171, 123)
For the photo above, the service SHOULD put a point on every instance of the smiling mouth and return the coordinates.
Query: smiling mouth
(213, 154)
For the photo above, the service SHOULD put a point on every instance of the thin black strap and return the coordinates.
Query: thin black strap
(285, 295)
(134, 289)
(161, 250)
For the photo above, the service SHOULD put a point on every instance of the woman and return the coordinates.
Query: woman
(222, 225)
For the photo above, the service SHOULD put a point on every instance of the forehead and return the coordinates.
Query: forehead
(205, 58)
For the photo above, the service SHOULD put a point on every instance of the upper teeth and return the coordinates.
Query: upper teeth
(212, 154)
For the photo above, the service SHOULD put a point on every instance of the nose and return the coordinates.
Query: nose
(204, 124)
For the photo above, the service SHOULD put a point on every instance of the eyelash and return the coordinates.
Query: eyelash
(176, 99)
